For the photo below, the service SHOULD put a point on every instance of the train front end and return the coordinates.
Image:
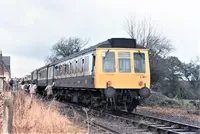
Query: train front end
(123, 73)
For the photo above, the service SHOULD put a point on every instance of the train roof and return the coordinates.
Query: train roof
(110, 43)
(40, 68)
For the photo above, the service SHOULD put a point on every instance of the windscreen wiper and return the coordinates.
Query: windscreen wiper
(140, 54)
(106, 54)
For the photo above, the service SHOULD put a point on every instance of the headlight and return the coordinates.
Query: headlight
(109, 92)
(144, 92)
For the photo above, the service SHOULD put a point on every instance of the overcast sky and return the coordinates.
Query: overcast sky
(29, 28)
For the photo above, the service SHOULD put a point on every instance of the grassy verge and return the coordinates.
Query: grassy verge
(33, 117)
(158, 99)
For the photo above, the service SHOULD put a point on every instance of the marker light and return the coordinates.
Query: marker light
(140, 83)
(109, 83)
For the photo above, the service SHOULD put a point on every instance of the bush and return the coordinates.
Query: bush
(169, 102)
(158, 99)
(193, 107)
(189, 94)
(154, 99)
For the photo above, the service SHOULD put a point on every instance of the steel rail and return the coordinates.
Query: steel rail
(104, 128)
(155, 124)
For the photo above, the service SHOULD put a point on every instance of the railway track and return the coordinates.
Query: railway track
(143, 123)
(164, 125)
(153, 124)
(103, 128)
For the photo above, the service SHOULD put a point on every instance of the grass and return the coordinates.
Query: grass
(30, 116)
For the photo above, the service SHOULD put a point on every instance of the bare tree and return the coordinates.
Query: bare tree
(65, 47)
(140, 30)
(146, 35)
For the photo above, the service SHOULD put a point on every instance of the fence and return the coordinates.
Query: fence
(8, 98)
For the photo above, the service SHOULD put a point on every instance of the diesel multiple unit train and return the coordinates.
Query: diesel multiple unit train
(113, 73)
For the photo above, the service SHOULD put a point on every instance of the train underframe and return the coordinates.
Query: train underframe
(105, 99)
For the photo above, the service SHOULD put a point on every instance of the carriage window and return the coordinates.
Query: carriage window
(108, 59)
(78, 62)
(124, 62)
(55, 70)
(80, 65)
(63, 69)
(86, 64)
(43, 74)
(139, 62)
(71, 68)
(59, 70)
(67, 68)
(76, 66)
(50, 72)
(49, 75)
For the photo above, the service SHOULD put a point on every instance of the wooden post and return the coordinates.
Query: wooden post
(2, 83)
(1, 73)
(8, 113)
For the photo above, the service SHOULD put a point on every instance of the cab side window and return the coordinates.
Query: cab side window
(139, 62)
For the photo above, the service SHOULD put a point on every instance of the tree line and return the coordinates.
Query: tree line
(169, 75)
